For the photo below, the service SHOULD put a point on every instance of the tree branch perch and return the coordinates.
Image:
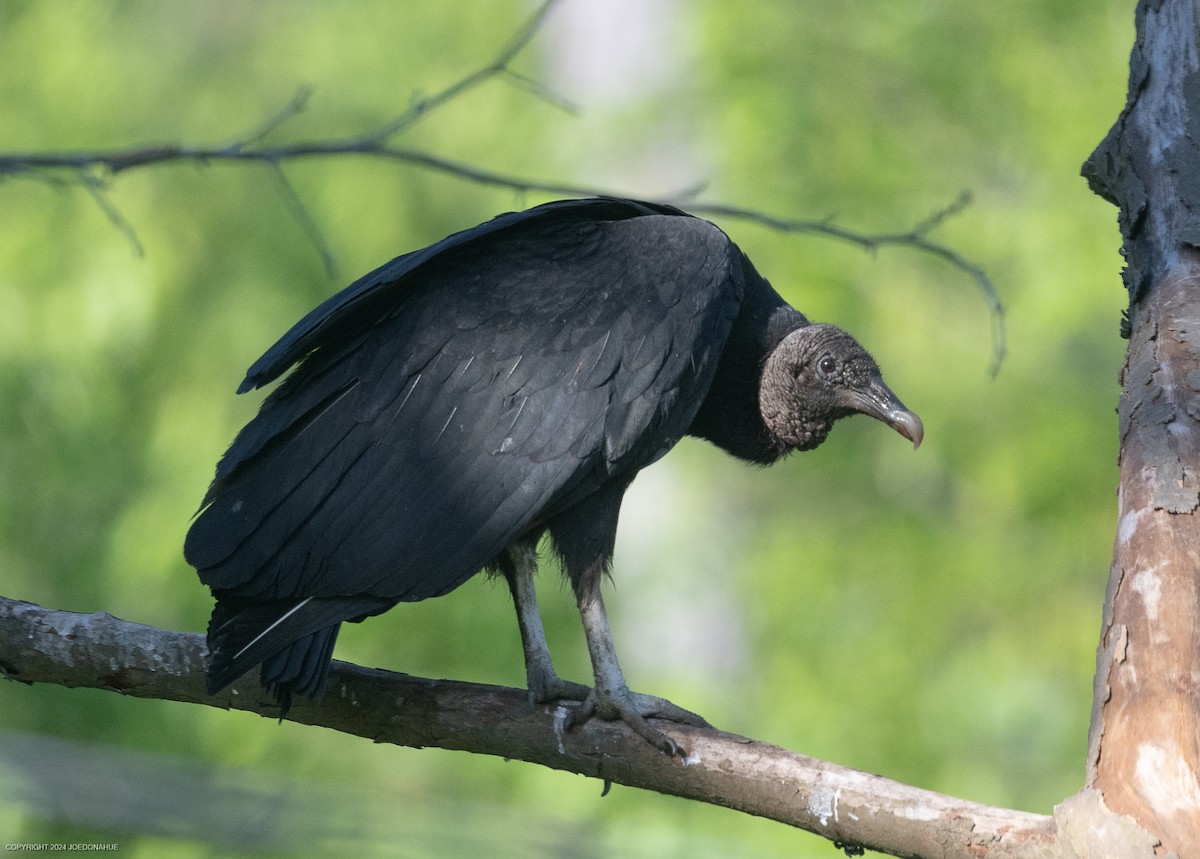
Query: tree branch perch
(851, 808)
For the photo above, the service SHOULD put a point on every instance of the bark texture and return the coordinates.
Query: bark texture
(1144, 743)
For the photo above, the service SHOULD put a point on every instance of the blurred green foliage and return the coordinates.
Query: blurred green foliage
(930, 616)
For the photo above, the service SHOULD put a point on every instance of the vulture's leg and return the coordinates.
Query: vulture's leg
(611, 698)
(519, 565)
(584, 536)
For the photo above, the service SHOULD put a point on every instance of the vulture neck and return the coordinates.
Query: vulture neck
(730, 416)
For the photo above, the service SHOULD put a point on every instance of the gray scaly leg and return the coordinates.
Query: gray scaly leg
(543, 683)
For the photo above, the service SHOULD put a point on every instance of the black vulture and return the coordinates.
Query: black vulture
(450, 408)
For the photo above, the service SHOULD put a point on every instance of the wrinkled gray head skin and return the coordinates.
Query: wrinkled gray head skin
(818, 374)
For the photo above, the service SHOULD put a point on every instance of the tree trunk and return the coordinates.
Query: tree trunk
(1144, 742)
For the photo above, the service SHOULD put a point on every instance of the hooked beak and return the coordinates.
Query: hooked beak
(879, 402)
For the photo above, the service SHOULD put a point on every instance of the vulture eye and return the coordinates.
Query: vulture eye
(827, 365)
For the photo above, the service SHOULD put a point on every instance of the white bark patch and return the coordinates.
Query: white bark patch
(1165, 779)
(1148, 585)
(560, 722)
(823, 804)
(1129, 524)
(917, 812)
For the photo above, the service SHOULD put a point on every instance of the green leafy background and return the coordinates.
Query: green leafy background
(929, 616)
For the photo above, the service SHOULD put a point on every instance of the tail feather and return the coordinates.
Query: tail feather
(292, 640)
(301, 668)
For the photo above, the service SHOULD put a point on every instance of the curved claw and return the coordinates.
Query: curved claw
(578, 715)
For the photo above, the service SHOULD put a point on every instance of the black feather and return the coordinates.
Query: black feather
(509, 379)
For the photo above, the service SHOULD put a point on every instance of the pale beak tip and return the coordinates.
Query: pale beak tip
(909, 425)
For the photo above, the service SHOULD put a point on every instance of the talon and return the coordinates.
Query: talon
(665, 744)
(580, 714)
(673, 749)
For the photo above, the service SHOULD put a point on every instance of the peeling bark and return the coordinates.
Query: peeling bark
(1144, 748)
(1144, 741)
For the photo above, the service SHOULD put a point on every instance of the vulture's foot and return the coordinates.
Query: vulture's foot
(634, 709)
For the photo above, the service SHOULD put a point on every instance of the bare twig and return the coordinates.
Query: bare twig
(539, 89)
(99, 193)
(917, 237)
(497, 67)
(293, 108)
(851, 808)
(303, 217)
(96, 169)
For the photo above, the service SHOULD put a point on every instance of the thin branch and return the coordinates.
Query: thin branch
(94, 169)
(498, 66)
(295, 107)
(917, 237)
(851, 808)
(303, 217)
(542, 91)
(98, 190)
